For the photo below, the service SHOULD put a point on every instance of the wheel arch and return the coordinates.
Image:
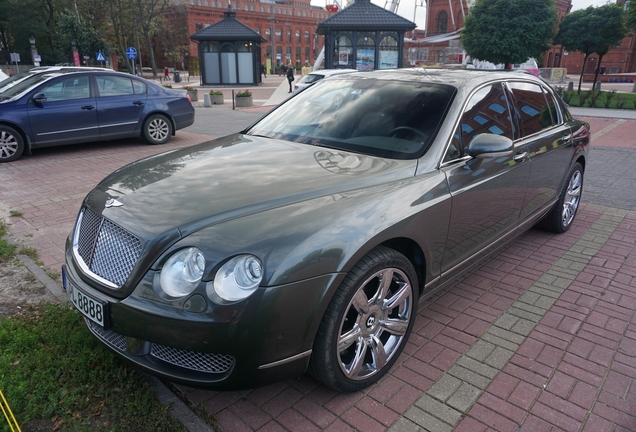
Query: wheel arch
(413, 252)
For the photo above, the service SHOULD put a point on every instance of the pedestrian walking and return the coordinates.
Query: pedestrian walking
(290, 77)
(9, 72)
(263, 70)
(166, 73)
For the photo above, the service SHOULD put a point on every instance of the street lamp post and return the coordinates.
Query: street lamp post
(34, 52)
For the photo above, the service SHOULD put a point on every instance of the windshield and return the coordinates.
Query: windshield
(383, 118)
(21, 83)
(312, 77)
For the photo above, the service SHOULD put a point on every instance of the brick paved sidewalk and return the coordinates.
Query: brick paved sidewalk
(541, 337)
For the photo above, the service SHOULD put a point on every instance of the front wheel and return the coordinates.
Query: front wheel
(157, 129)
(367, 323)
(562, 214)
(11, 144)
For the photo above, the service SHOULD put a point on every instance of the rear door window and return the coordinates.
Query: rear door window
(532, 107)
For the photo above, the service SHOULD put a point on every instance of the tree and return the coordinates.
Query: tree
(592, 30)
(631, 16)
(509, 31)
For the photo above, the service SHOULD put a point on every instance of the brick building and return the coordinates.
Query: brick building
(292, 22)
(439, 43)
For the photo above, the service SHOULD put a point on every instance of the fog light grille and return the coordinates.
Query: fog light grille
(202, 362)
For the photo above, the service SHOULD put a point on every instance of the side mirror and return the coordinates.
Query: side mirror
(39, 98)
(485, 146)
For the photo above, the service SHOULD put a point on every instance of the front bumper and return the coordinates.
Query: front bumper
(265, 338)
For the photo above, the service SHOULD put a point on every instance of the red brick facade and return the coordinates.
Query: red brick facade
(445, 17)
(293, 23)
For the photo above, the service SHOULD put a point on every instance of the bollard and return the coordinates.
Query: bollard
(634, 88)
(597, 86)
(570, 86)
(206, 100)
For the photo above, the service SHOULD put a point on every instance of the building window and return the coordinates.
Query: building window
(306, 55)
(279, 35)
(288, 36)
(198, 26)
(306, 36)
(298, 36)
(442, 22)
(297, 56)
(252, 8)
(268, 34)
(257, 30)
(388, 53)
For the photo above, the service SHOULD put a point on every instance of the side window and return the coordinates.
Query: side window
(114, 86)
(486, 112)
(68, 89)
(139, 87)
(532, 107)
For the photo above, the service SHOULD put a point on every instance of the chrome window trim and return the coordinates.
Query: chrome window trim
(68, 130)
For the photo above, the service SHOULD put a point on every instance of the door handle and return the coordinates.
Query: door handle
(88, 107)
(138, 103)
(521, 156)
(566, 137)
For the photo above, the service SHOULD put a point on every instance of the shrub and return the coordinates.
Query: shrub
(188, 88)
(216, 93)
(167, 85)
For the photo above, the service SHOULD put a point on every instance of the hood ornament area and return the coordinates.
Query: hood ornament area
(111, 202)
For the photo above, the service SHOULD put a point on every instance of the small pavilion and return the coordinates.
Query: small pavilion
(364, 36)
(229, 52)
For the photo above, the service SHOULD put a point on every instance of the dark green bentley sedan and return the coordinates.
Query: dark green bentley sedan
(305, 242)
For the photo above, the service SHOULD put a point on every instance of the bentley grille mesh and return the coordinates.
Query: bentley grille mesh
(201, 362)
(108, 250)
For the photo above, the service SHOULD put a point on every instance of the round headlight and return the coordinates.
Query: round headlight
(238, 278)
(182, 272)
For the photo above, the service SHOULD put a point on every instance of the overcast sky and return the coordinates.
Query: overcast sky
(408, 10)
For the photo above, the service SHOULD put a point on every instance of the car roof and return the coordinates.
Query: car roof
(328, 72)
(67, 68)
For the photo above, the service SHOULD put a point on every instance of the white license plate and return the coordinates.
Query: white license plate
(91, 308)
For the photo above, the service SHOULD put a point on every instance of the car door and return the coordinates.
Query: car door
(486, 194)
(120, 105)
(549, 144)
(66, 115)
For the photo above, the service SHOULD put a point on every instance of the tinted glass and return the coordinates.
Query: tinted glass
(532, 107)
(114, 86)
(377, 117)
(74, 87)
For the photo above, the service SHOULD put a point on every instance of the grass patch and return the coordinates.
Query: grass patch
(598, 99)
(15, 213)
(57, 376)
(7, 250)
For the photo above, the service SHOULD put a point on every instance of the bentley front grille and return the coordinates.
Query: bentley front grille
(106, 249)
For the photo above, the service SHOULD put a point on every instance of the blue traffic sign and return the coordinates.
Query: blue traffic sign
(131, 52)
(100, 56)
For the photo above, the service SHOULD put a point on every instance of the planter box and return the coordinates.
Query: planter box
(194, 95)
(243, 101)
(216, 99)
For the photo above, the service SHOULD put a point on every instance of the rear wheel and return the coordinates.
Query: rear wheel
(11, 144)
(367, 322)
(562, 214)
(157, 129)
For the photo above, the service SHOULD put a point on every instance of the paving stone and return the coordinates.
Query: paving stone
(499, 357)
(444, 387)
(438, 409)
(427, 421)
(481, 350)
(464, 398)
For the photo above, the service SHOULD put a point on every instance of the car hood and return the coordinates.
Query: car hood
(240, 175)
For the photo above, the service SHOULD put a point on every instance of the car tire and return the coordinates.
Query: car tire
(157, 129)
(560, 218)
(11, 144)
(354, 347)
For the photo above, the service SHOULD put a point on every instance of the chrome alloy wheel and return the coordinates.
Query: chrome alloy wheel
(374, 324)
(159, 129)
(8, 144)
(572, 198)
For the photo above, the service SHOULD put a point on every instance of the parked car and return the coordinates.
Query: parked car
(315, 76)
(66, 106)
(306, 241)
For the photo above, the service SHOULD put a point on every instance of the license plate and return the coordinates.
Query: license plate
(92, 309)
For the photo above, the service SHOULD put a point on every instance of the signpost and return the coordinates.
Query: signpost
(15, 58)
(100, 58)
(131, 53)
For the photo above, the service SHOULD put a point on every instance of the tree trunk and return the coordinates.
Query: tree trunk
(151, 51)
(582, 72)
(600, 59)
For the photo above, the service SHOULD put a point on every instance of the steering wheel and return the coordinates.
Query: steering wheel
(418, 132)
